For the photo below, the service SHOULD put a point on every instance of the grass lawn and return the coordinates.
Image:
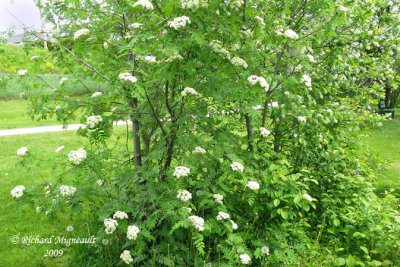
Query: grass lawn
(385, 141)
(13, 115)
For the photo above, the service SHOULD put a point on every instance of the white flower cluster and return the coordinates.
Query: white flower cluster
(236, 3)
(111, 225)
(18, 191)
(81, 32)
(197, 222)
(181, 171)
(188, 209)
(234, 225)
(291, 34)
(96, 94)
(253, 185)
(93, 120)
(67, 191)
(132, 232)
(311, 58)
(193, 4)
(120, 215)
(306, 80)
(126, 256)
(77, 156)
(174, 57)
(239, 62)
(218, 198)
(188, 90)
(198, 150)
(222, 216)
(217, 47)
(184, 195)
(22, 72)
(22, 151)
(63, 80)
(265, 250)
(179, 22)
(260, 20)
(236, 166)
(245, 259)
(254, 79)
(144, 3)
(264, 132)
(127, 77)
(135, 25)
(308, 197)
(301, 119)
(273, 104)
(59, 149)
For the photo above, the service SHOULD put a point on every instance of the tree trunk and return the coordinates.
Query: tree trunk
(136, 138)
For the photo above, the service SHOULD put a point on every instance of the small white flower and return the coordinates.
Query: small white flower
(120, 215)
(253, 185)
(245, 259)
(218, 198)
(132, 232)
(96, 94)
(301, 119)
(197, 222)
(21, 95)
(179, 22)
(239, 62)
(236, 166)
(135, 25)
(37, 209)
(264, 132)
(234, 225)
(105, 242)
(127, 77)
(181, 171)
(253, 80)
(22, 72)
(34, 57)
(126, 257)
(222, 216)
(22, 151)
(77, 156)
(198, 150)
(188, 90)
(291, 34)
(260, 20)
(311, 58)
(56, 108)
(184, 195)
(188, 209)
(92, 121)
(70, 228)
(150, 58)
(59, 149)
(100, 182)
(63, 80)
(308, 197)
(265, 250)
(18, 191)
(342, 8)
(81, 32)
(66, 190)
(306, 80)
(105, 45)
(111, 226)
(199, 193)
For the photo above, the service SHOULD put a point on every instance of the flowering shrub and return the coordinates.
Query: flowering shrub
(282, 92)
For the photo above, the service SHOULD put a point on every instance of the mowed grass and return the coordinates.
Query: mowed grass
(385, 142)
(13, 114)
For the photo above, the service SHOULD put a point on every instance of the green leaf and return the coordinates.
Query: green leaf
(276, 202)
(340, 262)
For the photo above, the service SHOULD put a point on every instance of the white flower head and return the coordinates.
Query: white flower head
(63, 80)
(291, 34)
(67, 191)
(111, 225)
(260, 20)
(100, 182)
(198, 150)
(308, 197)
(254, 79)
(127, 77)
(21, 95)
(18, 191)
(264, 132)
(132, 232)
(188, 90)
(77, 156)
(218, 198)
(22, 151)
(126, 256)
(181, 171)
(81, 32)
(311, 58)
(265, 250)
(59, 149)
(197, 222)
(302, 119)
(184, 195)
(38, 209)
(34, 57)
(239, 62)
(222, 216)
(96, 94)
(144, 3)
(245, 259)
(193, 4)
(306, 79)
(120, 215)
(179, 22)
(135, 25)
(253, 185)
(150, 59)
(236, 166)
(234, 225)
(70, 228)
(22, 72)
(92, 121)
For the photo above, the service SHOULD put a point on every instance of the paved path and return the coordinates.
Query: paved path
(46, 129)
